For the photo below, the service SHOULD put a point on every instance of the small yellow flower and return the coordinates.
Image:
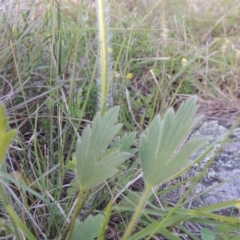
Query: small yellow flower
(110, 50)
(129, 76)
(184, 62)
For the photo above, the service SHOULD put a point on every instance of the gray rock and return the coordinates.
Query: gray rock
(221, 182)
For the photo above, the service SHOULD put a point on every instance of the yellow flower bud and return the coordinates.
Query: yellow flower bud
(129, 76)
(184, 62)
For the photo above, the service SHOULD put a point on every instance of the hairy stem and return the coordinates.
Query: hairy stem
(104, 61)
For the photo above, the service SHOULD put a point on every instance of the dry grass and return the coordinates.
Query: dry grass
(48, 72)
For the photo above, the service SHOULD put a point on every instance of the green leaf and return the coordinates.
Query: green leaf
(5, 137)
(161, 153)
(94, 163)
(207, 234)
(235, 238)
(71, 165)
(88, 229)
(125, 143)
(106, 168)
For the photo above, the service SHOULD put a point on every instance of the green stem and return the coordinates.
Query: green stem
(107, 214)
(80, 203)
(137, 213)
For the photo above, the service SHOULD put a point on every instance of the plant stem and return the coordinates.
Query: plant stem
(137, 212)
(107, 214)
(80, 203)
(104, 61)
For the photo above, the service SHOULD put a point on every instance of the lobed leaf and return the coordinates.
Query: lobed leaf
(161, 154)
(88, 229)
(94, 163)
(125, 143)
(106, 168)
